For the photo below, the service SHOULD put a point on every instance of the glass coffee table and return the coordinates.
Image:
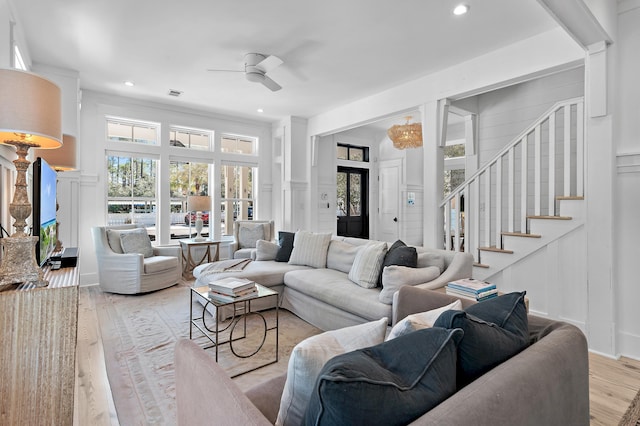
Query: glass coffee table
(226, 331)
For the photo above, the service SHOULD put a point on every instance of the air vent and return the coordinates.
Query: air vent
(175, 93)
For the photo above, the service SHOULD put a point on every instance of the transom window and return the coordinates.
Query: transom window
(352, 153)
(190, 138)
(238, 145)
(119, 130)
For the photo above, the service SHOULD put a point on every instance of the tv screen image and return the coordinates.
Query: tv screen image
(44, 209)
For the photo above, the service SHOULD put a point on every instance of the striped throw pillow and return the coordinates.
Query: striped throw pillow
(367, 264)
(310, 249)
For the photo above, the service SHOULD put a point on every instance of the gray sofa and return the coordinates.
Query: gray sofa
(326, 297)
(545, 384)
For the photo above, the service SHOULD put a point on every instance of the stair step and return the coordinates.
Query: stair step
(550, 217)
(570, 197)
(495, 250)
(521, 234)
(480, 265)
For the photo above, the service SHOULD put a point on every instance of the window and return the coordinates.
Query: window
(454, 173)
(119, 130)
(186, 178)
(236, 190)
(189, 138)
(352, 153)
(238, 145)
(131, 193)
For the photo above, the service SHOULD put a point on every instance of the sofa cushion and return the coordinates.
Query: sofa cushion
(136, 241)
(487, 344)
(309, 356)
(155, 264)
(249, 234)
(431, 258)
(266, 250)
(420, 320)
(269, 273)
(285, 241)
(394, 277)
(367, 264)
(335, 288)
(310, 249)
(341, 255)
(392, 383)
(399, 254)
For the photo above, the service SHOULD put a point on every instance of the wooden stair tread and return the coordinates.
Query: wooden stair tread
(480, 265)
(495, 249)
(570, 197)
(550, 217)
(521, 234)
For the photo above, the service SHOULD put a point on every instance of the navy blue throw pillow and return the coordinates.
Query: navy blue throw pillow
(399, 254)
(285, 241)
(493, 333)
(412, 373)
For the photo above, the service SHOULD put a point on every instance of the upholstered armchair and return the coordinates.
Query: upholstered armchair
(246, 233)
(128, 271)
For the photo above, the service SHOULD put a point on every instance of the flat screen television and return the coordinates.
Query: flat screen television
(43, 201)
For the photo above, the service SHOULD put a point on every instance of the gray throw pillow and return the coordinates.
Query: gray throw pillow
(399, 254)
(249, 234)
(136, 241)
(411, 373)
(285, 241)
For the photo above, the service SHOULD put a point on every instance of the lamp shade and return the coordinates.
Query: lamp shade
(198, 203)
(63, 158)
(30, 109)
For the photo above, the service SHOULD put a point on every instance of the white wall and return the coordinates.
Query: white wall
(627, 180)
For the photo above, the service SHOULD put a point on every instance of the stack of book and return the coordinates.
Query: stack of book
(232, 289)
(472, 289)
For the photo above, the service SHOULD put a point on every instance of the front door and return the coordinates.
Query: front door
(353, 207)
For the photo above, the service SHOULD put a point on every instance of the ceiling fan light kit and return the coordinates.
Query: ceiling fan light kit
(256, 67)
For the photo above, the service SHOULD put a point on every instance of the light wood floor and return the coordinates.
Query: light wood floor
(613, 383)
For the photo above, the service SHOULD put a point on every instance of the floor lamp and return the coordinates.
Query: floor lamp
(199, 203)
(62, 159)
(30, 116)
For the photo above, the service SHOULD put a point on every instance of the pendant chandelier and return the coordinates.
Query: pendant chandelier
(408, 135)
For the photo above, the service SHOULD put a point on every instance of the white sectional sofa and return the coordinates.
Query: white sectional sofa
(326, 297)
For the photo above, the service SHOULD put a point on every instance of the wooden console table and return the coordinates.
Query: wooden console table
(189, 260)
(38, 330)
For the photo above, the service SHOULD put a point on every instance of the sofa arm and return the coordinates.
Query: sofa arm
(461, 267)
(205, 394)
(266, 396)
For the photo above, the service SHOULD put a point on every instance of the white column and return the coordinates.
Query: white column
(433, 177)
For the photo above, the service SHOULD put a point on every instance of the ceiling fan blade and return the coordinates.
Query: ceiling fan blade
(271, 84)
(269, 63)
(218, 70)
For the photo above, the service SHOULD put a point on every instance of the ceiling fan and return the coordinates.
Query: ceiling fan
(256, 67)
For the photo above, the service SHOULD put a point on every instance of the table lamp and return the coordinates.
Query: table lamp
(30, 116)
(198, 203)
(62, 159)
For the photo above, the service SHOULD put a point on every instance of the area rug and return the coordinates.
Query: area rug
(632, 416)
(139, 333)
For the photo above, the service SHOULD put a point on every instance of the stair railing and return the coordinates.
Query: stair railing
(543, 162)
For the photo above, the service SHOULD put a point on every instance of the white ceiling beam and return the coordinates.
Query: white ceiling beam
(577, 20)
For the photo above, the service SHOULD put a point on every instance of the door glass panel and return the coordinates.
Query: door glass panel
(341, 209)
(355, 190)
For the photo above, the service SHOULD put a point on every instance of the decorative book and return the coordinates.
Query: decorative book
(231, 286)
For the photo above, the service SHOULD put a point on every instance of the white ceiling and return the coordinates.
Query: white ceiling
(334, 51)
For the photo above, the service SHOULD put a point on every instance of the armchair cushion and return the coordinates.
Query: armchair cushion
(155, 264)
(136, 241)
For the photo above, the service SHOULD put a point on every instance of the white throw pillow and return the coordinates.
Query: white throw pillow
(310, 249)
(136, 241)
(341, 255)
(366, 266)
(395, 276)
(309, 356)
(266, 250)
(421, 320)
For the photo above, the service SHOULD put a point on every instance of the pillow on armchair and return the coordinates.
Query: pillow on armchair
(249, 234)
(136, 241)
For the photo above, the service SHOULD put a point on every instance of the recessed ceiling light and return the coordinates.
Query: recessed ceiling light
(461, 9)
(129, 83)
(260, 110)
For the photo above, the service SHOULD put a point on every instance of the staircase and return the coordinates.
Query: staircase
(528, 196)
